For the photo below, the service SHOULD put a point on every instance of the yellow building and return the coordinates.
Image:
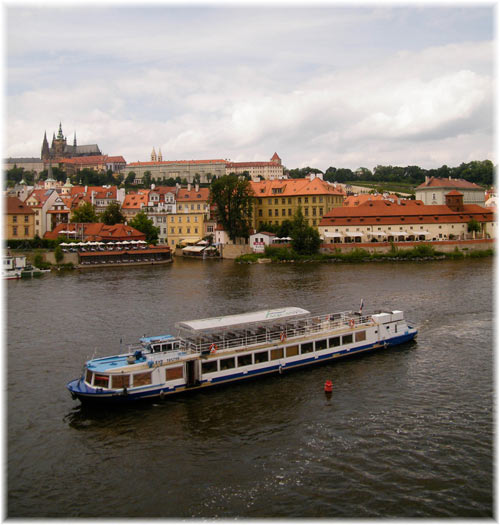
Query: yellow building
(20, 220)
(278, 200)
(187, 224)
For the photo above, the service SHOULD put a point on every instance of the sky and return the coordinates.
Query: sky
(329, 85)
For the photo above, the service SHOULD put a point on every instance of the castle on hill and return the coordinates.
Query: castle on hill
(61, 149)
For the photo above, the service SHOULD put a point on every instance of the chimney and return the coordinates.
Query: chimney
(399, 200)
(189, 186)
(86, 188)
(197, 188)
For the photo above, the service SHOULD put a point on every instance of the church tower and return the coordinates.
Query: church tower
(160, 156)
(45, 148)
(153, 155)
(59, 143)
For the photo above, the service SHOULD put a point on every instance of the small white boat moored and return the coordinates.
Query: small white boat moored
(219, 350)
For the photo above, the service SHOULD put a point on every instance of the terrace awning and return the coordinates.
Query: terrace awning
(190, 240)
(246, 319)
(335, 235)
(193, 249)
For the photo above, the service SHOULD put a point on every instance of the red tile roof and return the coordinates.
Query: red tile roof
(96, 159)
(408, 212)
(98, 231)
(117, 158)
(230, 165)
(166, 162)
(135, 200)
(201, 195)
(435, 182)
(455, 192)
(16, 206)
(356, 200)
(292, 187)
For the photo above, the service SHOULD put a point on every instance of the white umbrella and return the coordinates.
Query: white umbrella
(125, 242)
(142, 242)
(64, 244)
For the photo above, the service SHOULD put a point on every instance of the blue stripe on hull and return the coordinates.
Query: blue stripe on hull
(86, 393)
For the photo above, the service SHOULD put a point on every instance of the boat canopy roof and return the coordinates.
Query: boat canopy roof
(241, 320)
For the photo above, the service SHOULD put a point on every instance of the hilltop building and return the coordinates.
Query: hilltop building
(271, 170)
(434, 191)
(61, 149)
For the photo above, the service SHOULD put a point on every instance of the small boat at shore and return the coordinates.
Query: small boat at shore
(218, 350)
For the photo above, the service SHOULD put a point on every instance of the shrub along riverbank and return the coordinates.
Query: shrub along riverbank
(424, 252)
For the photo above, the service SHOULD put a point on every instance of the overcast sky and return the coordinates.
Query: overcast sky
(325, 86)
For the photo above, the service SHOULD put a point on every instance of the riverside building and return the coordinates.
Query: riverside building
(277, 200)
(377, 221)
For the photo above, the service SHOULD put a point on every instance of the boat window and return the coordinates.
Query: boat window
(156, 348)
(347, 339)
(229, 362)
(165, 347)
(177, 345)
(88, 376)
(261, 357)
(142, 379)
(119, 381)
(334, 341)
(174, 373)
(245, 360)
(209, 366)
(276, 353)
(321, 345)
(360, 336)
(101, 380)
(305, 348)
(292, 350)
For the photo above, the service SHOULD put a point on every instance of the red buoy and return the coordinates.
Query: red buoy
(328, 386)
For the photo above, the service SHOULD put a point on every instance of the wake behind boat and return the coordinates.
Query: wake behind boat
(218, 350)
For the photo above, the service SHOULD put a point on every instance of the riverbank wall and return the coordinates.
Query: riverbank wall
(384, 247)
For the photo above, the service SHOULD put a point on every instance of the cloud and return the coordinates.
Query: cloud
(242, 84)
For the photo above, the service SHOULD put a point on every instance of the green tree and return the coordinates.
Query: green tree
(305, 238)
(146, 179)
(58, 254)
(129, 179)
(473, 226)
(233, 199)
(285, 229)
(112, 214)
(268, 227)
(84, 213)
(144, 225)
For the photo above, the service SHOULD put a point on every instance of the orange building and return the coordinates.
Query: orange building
(20, 220)
(277, 200)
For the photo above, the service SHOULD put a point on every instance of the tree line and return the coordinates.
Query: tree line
(479, 172)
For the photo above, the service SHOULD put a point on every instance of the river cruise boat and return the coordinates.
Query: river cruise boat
(218, 350)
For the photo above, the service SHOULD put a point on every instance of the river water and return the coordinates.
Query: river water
(408, 432)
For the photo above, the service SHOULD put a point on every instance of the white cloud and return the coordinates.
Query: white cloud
(241, 86)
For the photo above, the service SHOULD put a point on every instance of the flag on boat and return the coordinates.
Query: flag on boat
(361, 304)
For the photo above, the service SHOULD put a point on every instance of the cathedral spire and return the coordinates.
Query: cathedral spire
(74, 140)
(45, 147)
(60, 133)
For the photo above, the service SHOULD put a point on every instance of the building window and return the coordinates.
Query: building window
(270, 213)
(276, 212)
(14, 218)
(14, 231)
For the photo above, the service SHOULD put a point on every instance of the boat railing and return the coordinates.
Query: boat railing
(256, 336)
